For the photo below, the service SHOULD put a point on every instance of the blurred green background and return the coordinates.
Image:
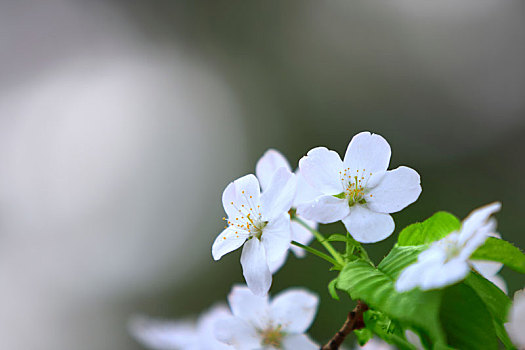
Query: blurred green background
(442, 81)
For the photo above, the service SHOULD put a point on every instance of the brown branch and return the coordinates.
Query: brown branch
(353, 321)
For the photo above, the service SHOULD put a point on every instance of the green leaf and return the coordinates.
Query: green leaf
(495, 249)
(336, 237)
(497, 303)
(376, 288)
(332, 290)
(387, 329)
(466, 320)
(398, 259)
(432, 229)
(363, 335)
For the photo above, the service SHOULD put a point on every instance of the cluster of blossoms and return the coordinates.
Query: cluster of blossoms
(277, 210)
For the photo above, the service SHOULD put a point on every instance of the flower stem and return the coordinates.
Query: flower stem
(319, 254)
(319, 236)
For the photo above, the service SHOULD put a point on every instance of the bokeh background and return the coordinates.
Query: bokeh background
(121, 122)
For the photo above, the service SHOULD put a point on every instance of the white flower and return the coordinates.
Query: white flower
(266, 167)
(446, 261)
(516, 325)
(258, 323)
(261, 223)
(375, 344)
(490, 269)
(180, 335)
(359, 190)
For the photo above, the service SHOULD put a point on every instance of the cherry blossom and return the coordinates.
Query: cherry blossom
(359, 190)
(261, 323)
(446, 261)
(266, 167)
(159, 334)
(516, 325)
(259, 223)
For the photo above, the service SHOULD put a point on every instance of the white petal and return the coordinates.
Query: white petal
(397, 189)
(478, 220)
(486, 268)
(321, 169)
(268, 164)
(299, 341)
(236, 332)
(275, 265)
(245, 192)
(227, 241)
(367, 151)
(325, 209)
(367, 226)
(294, 310)
(278, 197)
(206, 327)
(255, 268)
(410, 277)
(444, 275)
(414, 275)
(376, 344)
(248, 306)
(163, 335)
(516, 317)
(499, 282)
(414, 339)
(305, 192)
(276, 238)
(302, 235)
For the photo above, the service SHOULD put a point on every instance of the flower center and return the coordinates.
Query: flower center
(354, 186)
(249, 219)
(272, 337)
(450, 245)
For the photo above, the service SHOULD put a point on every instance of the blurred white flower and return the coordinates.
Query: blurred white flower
(375, 344)
(158, 334)
(516, 325)
(266, 167)
(359, 190)
(262, 221)
(446, 261)
(490, 269)
(258, 323)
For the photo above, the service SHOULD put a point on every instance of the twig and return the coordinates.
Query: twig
(353, 321)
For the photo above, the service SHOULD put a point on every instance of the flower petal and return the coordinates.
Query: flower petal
(268, 164)
(227, 241)
(294, 309)
(325, 209)
(276, 239)
(245, 192)
(237, 332)
(206, 328)
(321, 169)
(367, 226)
(279, 195)
(163, 335)
(255, 268)
(299, 341)
(368, 152)
(302, 235)
(478, 222)
(516, 317)
(499, 282)
(248, 306)
(305, 192)
(275, 265)
(444, 275)
(486, 268)
(397, 189)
